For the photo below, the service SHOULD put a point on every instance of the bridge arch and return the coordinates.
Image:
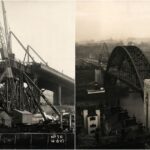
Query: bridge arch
(128, 64)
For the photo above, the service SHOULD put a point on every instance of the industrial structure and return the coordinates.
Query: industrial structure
(22, 84)
(124, 119)
(130, 65)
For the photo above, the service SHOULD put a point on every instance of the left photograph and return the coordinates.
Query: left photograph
(37, 74)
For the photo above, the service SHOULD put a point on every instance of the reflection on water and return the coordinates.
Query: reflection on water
(134, 104)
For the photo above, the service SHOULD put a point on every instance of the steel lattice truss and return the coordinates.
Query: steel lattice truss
(128, 64)
(21, 92)
(18, 83)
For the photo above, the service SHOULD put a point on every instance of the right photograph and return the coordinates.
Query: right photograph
(113, 74)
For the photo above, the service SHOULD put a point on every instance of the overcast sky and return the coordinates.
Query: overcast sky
(117, 19)
(48, 26)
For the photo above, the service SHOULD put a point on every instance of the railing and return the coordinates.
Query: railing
(36, 140)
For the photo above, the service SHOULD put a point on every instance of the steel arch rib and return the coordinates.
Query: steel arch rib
(125, 49)
(137, 73)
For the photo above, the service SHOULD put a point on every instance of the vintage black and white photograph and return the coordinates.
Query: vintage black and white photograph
(112, 74)
(37, 74)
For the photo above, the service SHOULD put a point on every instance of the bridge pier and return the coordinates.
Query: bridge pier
(58, 96)
(99, 76)
(147, 103)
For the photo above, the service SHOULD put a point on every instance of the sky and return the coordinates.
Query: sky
(48, 26)
(51, 27)
(117, 19)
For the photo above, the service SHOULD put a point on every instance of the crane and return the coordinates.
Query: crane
(14, 95)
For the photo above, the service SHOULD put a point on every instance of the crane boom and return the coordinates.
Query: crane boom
(7, 37)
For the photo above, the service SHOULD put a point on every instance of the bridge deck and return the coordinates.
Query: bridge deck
(45, 73)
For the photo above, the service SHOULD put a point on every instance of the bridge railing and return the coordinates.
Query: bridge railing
(36, 140)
